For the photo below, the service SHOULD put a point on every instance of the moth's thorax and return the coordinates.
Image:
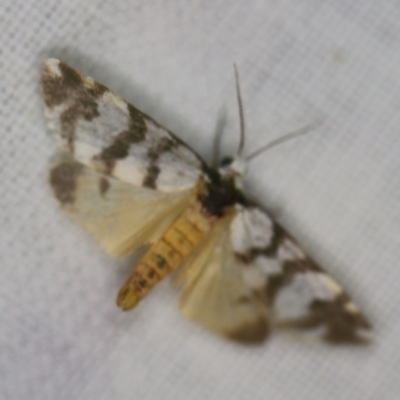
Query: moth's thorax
(225, 189)
(220, 196)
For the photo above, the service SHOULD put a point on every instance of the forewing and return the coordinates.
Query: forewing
(216, 295)
(103, 131)
(121, 217)
(299, 293)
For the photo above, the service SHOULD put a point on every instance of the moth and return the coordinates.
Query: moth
(130, 182)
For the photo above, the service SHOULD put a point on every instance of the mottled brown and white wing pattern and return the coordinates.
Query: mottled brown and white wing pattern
(103, 131)
(121, 217)
(250, 276)
(216, 294)
(299, 293)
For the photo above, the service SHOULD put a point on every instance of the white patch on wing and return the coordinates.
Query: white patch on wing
(269, 266)
(84, 152)
(100, 132)
(288, 250)
(53, 122)
(328, 282)
(112, 98)
(351, 307)
(293, 300)
(133, 172)
(251, 229)
(53, 66)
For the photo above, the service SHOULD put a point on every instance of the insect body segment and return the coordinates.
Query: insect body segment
(167, 253)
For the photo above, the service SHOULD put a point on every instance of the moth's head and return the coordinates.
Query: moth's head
(233, 168)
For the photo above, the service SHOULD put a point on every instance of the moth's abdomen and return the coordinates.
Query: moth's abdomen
(166, 254)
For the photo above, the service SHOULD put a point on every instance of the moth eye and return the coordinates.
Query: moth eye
(226, 161)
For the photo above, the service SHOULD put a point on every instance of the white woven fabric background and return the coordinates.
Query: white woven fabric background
(337, 190)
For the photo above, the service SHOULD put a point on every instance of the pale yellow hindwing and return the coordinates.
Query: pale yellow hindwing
(120, 216)
(215, 293)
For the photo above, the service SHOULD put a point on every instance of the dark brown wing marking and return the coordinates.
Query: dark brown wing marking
(104, 132)
(299, 293)
(61, 89)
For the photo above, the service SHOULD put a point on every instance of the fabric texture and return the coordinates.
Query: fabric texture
(336, 190)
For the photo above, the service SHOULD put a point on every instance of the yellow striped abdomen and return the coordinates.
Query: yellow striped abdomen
(166, 255)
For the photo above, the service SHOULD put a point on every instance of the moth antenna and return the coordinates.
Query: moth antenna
(218, 132)
(289, 136)
(241, 113)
